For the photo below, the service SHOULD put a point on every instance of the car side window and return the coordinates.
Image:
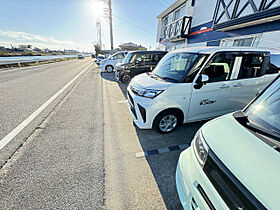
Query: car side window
(220, 67)
(120, 56)
(146, 58)
(274, 64)
(252, 66)
(114, 57)
(157, 57)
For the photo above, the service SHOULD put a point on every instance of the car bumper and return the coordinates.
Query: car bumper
(193, 187)
(102, 67)
(143, 110)
(117, 74)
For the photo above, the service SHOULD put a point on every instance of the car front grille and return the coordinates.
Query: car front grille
(131, 102)
(232, 191)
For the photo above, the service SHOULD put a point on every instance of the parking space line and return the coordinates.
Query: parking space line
(161, 150)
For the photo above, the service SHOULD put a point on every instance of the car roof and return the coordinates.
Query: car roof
(148, 51)
(210, 50)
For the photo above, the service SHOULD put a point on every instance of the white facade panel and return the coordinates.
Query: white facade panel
(200, 44)
(270, 39)
(203, 12)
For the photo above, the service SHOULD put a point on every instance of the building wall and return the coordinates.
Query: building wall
(202, 32)
(270, 39)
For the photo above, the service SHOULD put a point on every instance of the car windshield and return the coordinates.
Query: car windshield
(127, 58)
(175, 66)
(265, 111)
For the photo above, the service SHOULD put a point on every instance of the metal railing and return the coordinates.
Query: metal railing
(177, 29)
(31, 59)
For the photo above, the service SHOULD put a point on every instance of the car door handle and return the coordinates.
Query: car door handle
(238, 85)
(225, 87)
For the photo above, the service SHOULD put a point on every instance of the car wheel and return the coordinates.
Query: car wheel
(126, 78)
(166, 122)
(109, 68)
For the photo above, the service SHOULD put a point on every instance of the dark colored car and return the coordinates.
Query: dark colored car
(137, 62)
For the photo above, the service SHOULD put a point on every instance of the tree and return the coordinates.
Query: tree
(97, 49)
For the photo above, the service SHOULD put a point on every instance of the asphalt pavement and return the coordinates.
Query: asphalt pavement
(60, 166)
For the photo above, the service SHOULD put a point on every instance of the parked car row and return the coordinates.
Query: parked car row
(233, 161)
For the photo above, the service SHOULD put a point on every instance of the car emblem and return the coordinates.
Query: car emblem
(206, 102)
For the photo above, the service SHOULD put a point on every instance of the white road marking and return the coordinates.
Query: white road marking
(140, 154)
(122, 101)
(21, 126)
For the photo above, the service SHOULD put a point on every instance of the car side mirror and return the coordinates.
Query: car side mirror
(202, 80)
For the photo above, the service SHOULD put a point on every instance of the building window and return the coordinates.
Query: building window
(180, 13)
(252, 41)
(243, 42)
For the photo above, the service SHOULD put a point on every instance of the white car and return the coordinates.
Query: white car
(233, 161)
(110, 63)
(196, 84)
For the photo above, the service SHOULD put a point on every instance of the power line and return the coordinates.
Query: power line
(134, 25)
(160, 3)
(167, 2)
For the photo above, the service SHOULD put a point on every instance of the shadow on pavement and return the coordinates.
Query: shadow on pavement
(108, 76)
(163, 166)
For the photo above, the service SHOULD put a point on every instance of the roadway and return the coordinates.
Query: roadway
(70, 143)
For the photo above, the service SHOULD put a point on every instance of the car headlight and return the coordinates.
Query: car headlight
(200, 148)
(150, 93)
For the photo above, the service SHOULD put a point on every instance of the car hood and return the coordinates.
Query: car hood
(253, 162)
(146, 82)
(120, 64)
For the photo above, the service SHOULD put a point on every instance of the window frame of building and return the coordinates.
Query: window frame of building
(229, 42)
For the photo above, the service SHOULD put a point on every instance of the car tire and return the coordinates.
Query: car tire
(109, 68)
(167, 121)
(126, 78)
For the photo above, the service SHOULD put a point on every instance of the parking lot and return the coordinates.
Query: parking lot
(140, 164)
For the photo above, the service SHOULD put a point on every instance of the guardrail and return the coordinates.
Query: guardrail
(31, 59)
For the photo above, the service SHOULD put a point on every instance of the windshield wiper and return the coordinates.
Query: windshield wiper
(167, 78)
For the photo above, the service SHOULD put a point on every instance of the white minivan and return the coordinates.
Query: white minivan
(233, 161)
(109, 64)
(196, 84)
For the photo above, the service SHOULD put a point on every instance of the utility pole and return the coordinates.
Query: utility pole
(98, 26)
(111, 25)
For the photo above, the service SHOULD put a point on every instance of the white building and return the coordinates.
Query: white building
(188, 23)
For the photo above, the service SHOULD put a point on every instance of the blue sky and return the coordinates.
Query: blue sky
(59, 24)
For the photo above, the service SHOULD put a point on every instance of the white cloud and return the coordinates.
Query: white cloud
(16, 38)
